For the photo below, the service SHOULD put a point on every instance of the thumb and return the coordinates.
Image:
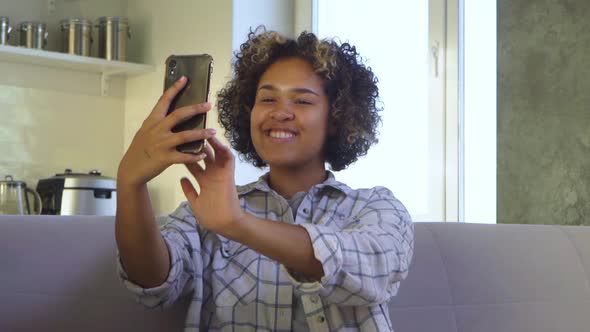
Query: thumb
(189, 190)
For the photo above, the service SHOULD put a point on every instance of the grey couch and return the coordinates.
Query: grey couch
(58, 274)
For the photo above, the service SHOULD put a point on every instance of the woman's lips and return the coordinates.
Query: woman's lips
(280, 135)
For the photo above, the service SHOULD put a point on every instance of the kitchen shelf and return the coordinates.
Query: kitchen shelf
(106, 68)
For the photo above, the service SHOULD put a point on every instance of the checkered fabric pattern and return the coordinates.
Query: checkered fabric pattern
(363, 238)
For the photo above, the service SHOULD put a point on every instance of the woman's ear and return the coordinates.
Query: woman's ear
(332, 129)
(332, 126)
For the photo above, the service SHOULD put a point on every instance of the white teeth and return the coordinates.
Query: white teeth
(280, 134)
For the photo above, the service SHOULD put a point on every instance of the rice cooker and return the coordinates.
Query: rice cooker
(72, 193)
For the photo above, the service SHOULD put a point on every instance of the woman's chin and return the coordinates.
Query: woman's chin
(282, 161)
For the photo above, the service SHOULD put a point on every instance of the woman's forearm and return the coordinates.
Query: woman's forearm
(286, 243)
(142, 249)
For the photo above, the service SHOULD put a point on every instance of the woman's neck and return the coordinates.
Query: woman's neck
(288, 181)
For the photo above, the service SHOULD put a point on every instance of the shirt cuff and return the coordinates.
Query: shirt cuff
(152, 296)
(327, 250)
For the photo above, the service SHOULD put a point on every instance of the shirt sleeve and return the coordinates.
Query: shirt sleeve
(181, 235)
(364, 262)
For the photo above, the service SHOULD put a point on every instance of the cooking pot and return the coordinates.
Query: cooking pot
(71, 193)
(14, 197)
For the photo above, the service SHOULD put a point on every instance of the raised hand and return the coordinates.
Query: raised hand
(153, 148)
(216, 206)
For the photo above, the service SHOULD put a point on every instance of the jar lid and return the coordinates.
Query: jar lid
(32, 24)
(75, 21)
(112, 19)
(91, 180)
(9, 181)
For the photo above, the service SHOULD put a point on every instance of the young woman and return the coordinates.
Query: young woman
(295, 250)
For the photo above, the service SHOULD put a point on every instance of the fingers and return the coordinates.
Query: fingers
(217, 145)
(189, 190)
(188, 136)
(222, 152)
(163, 104)
(195, 169)
(210, 155)
(184, 113)
(164, 149)
(185, 158)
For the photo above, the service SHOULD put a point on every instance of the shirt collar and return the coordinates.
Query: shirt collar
(262, 185)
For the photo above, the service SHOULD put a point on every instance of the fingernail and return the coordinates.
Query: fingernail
(182, 78)
(211, 131)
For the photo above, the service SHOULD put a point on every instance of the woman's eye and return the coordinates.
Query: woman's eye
(302, 101)
(267, 100)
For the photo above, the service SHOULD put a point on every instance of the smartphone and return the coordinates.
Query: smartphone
(197, 68)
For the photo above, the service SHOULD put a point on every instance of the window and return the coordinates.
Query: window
(436, 62)
(479, 111)
(406, 52)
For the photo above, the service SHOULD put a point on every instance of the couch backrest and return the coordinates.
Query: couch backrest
(496, 278)
(58, 274)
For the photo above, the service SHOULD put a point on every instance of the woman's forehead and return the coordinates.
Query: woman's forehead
(291, 74)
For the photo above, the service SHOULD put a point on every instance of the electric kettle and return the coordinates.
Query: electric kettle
(14, 197)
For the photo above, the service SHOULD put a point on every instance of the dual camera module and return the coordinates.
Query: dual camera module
(172, 68)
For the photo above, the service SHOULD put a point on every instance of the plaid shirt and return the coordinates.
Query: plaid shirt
(363, 238)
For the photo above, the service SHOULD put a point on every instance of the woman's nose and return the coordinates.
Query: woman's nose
(281, 113)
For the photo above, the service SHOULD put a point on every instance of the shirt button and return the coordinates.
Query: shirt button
(321, 319)
(305, 210)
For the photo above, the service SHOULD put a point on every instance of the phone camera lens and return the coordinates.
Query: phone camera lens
(172, 64)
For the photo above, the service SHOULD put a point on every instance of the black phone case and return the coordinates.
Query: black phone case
(197, 68)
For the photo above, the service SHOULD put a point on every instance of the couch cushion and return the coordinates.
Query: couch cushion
(427, 282)
(524, 317)
(580, 237)
(423, 302)
(510, 263)
(500, 278)
(58, 274)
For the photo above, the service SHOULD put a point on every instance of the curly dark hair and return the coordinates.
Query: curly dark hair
(351, 88)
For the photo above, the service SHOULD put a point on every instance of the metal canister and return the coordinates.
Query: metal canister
(113, 33)
(5, 29)
(76, 36)
(32, 34)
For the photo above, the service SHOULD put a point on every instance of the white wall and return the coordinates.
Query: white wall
(174, 27)
(56, 119)
(274, 15)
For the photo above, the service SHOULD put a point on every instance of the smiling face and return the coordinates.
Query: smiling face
(289, 119)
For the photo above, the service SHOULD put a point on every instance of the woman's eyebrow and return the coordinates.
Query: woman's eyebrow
(296, 90)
